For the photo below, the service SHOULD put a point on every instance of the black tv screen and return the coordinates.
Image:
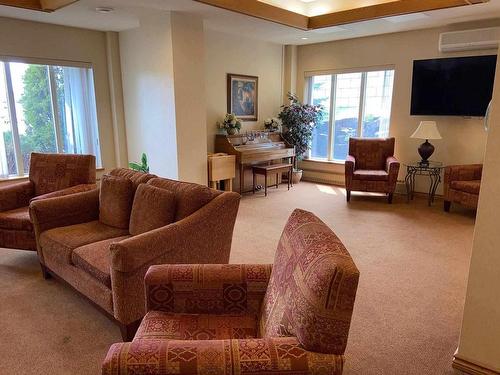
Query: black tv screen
(460, 86)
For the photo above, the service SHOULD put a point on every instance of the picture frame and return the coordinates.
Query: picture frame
(243, 96)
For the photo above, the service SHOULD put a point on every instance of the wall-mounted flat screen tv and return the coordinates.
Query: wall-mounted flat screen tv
(461, 86)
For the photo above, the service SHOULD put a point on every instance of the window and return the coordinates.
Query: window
(356, 105)
(45, 108)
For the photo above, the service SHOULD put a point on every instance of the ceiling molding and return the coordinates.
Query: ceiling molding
(40, 5)
(255, 8)
(262, 10)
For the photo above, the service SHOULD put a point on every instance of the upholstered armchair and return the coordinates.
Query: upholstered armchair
(371, 166)
(292, 318)
(50, 175)
(461, 185)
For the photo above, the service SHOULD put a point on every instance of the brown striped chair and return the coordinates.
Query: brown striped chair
(293, 318)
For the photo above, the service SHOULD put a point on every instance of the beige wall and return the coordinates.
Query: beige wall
(463, 138)
(58, 43)
(227, 53)
(480, 336)
(148, 91)
(189, 86)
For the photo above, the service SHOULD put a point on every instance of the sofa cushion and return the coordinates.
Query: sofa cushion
(61, 242)
(471, 187)
(189, 197)
(95, 259)
(115, 201)
(152, 208)
(18, 219)
(371, 175)
(136, 177)
(168, 326)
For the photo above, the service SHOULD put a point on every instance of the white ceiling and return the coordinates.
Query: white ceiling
(128, 13)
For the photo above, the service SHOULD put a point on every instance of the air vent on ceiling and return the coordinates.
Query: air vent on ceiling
(469, 40)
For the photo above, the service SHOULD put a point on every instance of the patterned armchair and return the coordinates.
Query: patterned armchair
(245, 319)
(462, 184)
(371, 166)
(51, 175)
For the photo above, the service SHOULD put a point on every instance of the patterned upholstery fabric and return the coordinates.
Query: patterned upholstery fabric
(371, 166)
(462, 184)
(207, 288)
(223, 357)
(189, 197)
(17, 219)
(62, 241)
(51, 172)
(50, 175)
(312, 288)
(136, 177)
(191, 327)
(95, 259)
(168, 326)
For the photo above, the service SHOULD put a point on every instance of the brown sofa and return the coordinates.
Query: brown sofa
(107, 264)
(371, 166)
(50, 175)
(462, 184)
(245, 319)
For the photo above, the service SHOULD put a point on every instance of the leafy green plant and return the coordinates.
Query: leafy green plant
(299, 121)
(143, 167)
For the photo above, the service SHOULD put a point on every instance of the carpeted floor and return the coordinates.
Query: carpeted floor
(413, 261)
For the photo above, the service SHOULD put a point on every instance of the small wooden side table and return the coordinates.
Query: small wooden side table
(221, 168)
(265, 170)
(432, 169)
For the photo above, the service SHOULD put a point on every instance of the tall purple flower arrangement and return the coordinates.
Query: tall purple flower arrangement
(299, 121)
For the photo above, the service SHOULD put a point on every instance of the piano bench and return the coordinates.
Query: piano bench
(265, 170)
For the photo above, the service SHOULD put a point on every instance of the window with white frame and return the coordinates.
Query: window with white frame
(356, 104)
(45, 108)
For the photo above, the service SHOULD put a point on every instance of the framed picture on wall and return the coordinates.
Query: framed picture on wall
(242, 96)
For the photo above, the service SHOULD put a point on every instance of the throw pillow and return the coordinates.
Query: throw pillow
(152, 208)
(115, 201)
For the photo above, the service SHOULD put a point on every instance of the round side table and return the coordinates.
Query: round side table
(431, 169)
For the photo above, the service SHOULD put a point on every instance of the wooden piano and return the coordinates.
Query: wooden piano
(272, 148)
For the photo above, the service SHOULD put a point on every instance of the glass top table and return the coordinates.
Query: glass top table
(432, 169)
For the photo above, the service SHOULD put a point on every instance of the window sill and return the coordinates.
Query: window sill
(339, 162)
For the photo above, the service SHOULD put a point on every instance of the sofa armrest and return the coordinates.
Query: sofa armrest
(392, 168)
(207, 288)
(16, 195)
(203, 237)
(236, 357)
(68, 191)
(63, 211)
(350, 166)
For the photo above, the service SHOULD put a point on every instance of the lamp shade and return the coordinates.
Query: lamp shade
(427, 130)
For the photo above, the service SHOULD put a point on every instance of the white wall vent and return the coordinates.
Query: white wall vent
(469, 40)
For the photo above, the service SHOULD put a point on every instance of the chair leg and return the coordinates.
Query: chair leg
(348, 195)
(447, 206)
(45, 272)
(128, 330)
(389, 198)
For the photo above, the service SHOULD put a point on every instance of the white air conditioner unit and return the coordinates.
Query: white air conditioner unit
(469, 40)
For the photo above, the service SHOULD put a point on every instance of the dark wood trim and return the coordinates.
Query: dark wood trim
(39, 5)
(229, 96)
(263, 11)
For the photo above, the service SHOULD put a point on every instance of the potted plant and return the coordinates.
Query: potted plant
(272, 124)
(142, 167)
(231, 124)
(298, 121)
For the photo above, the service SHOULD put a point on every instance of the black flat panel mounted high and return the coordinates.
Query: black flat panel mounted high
(461, 86)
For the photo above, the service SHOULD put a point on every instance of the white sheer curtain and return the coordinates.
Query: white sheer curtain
(80, 110)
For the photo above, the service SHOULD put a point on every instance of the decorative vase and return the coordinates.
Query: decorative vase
(296, 175)
(232, 131)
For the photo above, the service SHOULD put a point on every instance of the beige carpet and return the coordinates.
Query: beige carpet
(413, 261)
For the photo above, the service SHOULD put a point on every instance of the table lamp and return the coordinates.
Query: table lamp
(426, 130)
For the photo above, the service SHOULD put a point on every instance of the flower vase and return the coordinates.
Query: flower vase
(232, 131)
